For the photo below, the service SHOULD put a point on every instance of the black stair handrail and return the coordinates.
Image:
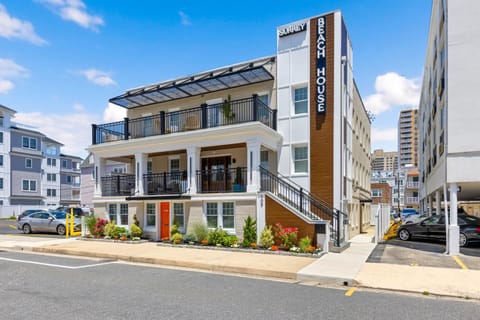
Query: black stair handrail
(308, 204)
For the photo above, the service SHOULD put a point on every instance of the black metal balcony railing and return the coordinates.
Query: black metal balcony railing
(221, 180)
(203, 117)
(165, 183)
(118, 185)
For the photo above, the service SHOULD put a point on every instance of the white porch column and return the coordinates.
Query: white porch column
(453, 230)
(253, 164)
(438, 204)
(193, 164)
(141, 160)
(99, 172)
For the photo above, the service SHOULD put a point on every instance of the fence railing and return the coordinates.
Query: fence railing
(165, 183)
(221, 180)
(203, 117)
(118, 185)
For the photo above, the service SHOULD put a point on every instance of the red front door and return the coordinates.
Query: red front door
(164, 220)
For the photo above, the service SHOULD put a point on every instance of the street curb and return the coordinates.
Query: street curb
(326, 280)
(173, 263)
(430, 294)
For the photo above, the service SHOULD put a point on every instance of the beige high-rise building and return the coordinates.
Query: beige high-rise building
(408, 138)
(384, 161)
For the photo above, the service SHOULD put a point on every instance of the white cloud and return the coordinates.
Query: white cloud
(392, 90)
(75, 11)
(114, 113)
(6, 85)
(11, 27)
(10, 70)
(385, 139)
(78, 107)
(98, 77)
(73, 130)
(184, 18)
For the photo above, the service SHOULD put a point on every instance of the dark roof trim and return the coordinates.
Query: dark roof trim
(207, 82)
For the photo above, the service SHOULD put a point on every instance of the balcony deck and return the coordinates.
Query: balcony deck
(198, 118)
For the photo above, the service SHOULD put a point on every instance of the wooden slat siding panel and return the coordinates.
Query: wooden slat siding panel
(321, 126)
(275, 212)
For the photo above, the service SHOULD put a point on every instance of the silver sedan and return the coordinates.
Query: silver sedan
(53, 221)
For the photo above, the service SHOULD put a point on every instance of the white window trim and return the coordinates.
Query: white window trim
(220, 215)
(117, 213)
(29, 180)
(31, 163)
(174, 157)
(292, 171)
(172, 215)
(147, 227)
(29, 143)
(293, 88)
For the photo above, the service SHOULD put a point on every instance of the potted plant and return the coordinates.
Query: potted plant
(227, 109)
(238, 182)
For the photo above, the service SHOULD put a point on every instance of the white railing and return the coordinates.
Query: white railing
(412, 184)
(381, 216)
(411, 199)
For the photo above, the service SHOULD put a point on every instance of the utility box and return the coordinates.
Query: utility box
(322, 231)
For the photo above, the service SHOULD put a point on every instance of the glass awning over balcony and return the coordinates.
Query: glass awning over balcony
(211, 81)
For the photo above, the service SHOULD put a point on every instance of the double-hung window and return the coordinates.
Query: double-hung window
(29, 185)
(300, 159)
(220, 215)
(300, 100)
(118, 213)
(179, 216)
(29, 143)
(28, 163)
(150, 215)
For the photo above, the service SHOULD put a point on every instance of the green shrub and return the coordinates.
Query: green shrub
(135, 220)
(177, 237)
(217, 236)
(229, 241)
(266, 237)
(200, 231)
(109, 227)
(90, 222)
(189, 238)
(118, 231)
(173, 229)
(249, 232)
(304, 243)
(136, 231)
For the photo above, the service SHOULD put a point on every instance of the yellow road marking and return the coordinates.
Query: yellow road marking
(459, 262)
(350, 292)
(12, 226)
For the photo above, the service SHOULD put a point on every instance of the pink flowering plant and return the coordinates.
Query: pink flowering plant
(286, 237)
(99, 226)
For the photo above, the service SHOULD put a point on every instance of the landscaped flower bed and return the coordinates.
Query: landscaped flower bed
(103, 230)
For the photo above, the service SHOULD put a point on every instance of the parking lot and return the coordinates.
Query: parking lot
(9, 227)
(424, 253)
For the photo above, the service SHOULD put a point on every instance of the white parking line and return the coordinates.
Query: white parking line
(58, 265)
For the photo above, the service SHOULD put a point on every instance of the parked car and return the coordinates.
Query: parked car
(434, 228)
(29, 212)
(414, 218)
(77, 211)
(406, 212)
(43, 221)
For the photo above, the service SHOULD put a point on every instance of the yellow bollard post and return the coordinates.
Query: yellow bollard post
(71, 221)
(66, 225)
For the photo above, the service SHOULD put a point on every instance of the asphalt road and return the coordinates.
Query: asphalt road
(46, 287)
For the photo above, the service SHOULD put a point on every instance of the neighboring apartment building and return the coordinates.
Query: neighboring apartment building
(408, 138)
(272, 138)
(51, 172)
(70, 180)
(381, 193)
(29, 167)
(448, 121)
(384, 161)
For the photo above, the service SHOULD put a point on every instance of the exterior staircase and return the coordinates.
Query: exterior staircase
(304, 204)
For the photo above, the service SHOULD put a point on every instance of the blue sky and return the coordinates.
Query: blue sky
(61, 60)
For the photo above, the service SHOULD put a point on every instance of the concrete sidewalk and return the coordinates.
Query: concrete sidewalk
(346, 268)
